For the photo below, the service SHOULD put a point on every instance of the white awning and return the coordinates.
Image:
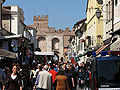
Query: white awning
(43, 53)
(5, 53)
(115, 46)
(11, 36)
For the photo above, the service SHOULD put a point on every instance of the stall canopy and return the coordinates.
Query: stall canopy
(8, 54)
(43, 53)
(11, 36)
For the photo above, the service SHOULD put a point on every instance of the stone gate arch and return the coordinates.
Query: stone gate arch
(41, 42)
(55, 44)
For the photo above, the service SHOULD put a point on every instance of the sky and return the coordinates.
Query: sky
(62, 13)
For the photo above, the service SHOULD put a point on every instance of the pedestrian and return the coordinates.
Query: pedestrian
(33, 76)
(75, 77)
(54, 74)
(55, 67)
(2, 78)
(7, 71)
(39, 69)
(43, 80)
(80, 77)
(87, 79)
(69, 78)
(61, 82)
(13, 80)
(64, 66)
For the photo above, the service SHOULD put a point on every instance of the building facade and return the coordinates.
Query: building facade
(94, 24)
(116, 33)
(49, 39)
(80, 40)
(107, 20)
(13, 21)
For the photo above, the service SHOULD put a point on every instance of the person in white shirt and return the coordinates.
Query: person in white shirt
(43, 80)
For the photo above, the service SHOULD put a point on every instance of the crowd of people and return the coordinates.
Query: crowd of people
(61, 76)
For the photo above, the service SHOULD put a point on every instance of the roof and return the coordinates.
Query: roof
(6, 10)
(43, 53)
(81, 21)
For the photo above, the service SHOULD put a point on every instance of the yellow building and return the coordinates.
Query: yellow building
(94, 24)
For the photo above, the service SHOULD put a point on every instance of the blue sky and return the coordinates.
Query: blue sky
(62, 13)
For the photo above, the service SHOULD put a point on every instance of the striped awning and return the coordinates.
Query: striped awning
(102, 48)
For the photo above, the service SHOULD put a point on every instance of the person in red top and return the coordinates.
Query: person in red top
(54, 73)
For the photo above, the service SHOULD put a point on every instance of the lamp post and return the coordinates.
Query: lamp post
(1, 2)
(98, 13)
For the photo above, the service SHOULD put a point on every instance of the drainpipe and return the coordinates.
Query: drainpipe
(112, 15)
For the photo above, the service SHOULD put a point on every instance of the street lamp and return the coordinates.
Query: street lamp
(1, 2)
(98, 13)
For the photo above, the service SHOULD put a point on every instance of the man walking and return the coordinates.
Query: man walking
(2, 78)
(43, 80)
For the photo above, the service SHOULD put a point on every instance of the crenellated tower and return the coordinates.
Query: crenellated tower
(40, 22)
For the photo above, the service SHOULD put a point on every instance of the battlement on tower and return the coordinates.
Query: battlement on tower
(40, 18)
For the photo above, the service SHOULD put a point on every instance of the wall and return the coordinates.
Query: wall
(17, 20)
(6, 22)
(117, 16)
(94, 26)
(116, 45)
(107, 18)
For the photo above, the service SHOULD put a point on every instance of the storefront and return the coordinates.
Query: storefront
(16, 44)
(7, 54)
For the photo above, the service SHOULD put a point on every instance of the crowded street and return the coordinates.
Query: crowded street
(59, 45)
(59, 76)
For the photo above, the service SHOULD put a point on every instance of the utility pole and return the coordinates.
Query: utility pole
(1, 2)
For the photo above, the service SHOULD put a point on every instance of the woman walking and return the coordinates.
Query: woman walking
(13, 81)
(61, 82)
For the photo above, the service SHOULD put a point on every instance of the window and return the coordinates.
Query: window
(107, 11)
(55, 44)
